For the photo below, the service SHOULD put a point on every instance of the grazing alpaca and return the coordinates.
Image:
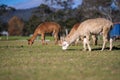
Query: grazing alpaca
(46, 27)
(74, 29)
(91, 27)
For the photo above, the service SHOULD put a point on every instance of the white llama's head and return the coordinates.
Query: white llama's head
(64, 45)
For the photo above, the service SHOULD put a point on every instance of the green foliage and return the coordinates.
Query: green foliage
(32, 24)
(10, 38)
(70, 22)
(44, 8)
(3, 26)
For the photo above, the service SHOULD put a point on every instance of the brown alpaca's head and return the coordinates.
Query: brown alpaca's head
(30, 42)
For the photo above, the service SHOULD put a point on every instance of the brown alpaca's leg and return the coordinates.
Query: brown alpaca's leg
(56, 38)
(76, 42)
(30, 42)
(94, 38)
(43, 38)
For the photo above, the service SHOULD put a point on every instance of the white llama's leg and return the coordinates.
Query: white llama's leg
(88, 43)
(105, 37)
(89, 46)
(111, 40)
(84, 44)
(104, 43)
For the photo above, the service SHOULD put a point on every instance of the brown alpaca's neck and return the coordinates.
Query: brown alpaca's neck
(34, 36)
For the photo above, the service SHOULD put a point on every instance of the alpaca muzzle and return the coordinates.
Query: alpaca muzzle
(65, 45)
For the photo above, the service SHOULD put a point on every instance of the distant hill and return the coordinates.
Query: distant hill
(23, 14)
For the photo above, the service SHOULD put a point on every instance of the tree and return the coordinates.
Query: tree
(116, 11)
(30, 26)
(15, 26)
(97, 3)
(42, 12)
(96, 8)
(4, 8)
(0, 26)
(65, 4)
(117, 3)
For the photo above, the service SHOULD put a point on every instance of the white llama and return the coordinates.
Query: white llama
(91, 27)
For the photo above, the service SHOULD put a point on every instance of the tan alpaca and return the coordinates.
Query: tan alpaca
(74, 29)
(46, 27)
(91, 27)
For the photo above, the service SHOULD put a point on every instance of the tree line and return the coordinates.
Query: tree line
(66, 16)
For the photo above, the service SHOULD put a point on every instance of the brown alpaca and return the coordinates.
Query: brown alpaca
(74, 29)
(46, 27)
(91, 27)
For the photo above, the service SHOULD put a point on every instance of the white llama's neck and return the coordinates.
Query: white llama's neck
(72, 38)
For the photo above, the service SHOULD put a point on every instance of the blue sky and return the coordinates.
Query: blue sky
(23, 4)
(12, 2)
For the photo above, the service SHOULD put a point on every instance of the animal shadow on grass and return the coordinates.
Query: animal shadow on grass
(107, 48)
(116, 48)
(21, 46)
(74, 49)
(71, 49)
(94, 49)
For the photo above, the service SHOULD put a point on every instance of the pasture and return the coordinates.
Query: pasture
(18, 61)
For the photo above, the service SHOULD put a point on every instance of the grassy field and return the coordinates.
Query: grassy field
(18, 61)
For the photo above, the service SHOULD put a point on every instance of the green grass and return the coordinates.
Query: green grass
(18, 61)
(22, 38)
